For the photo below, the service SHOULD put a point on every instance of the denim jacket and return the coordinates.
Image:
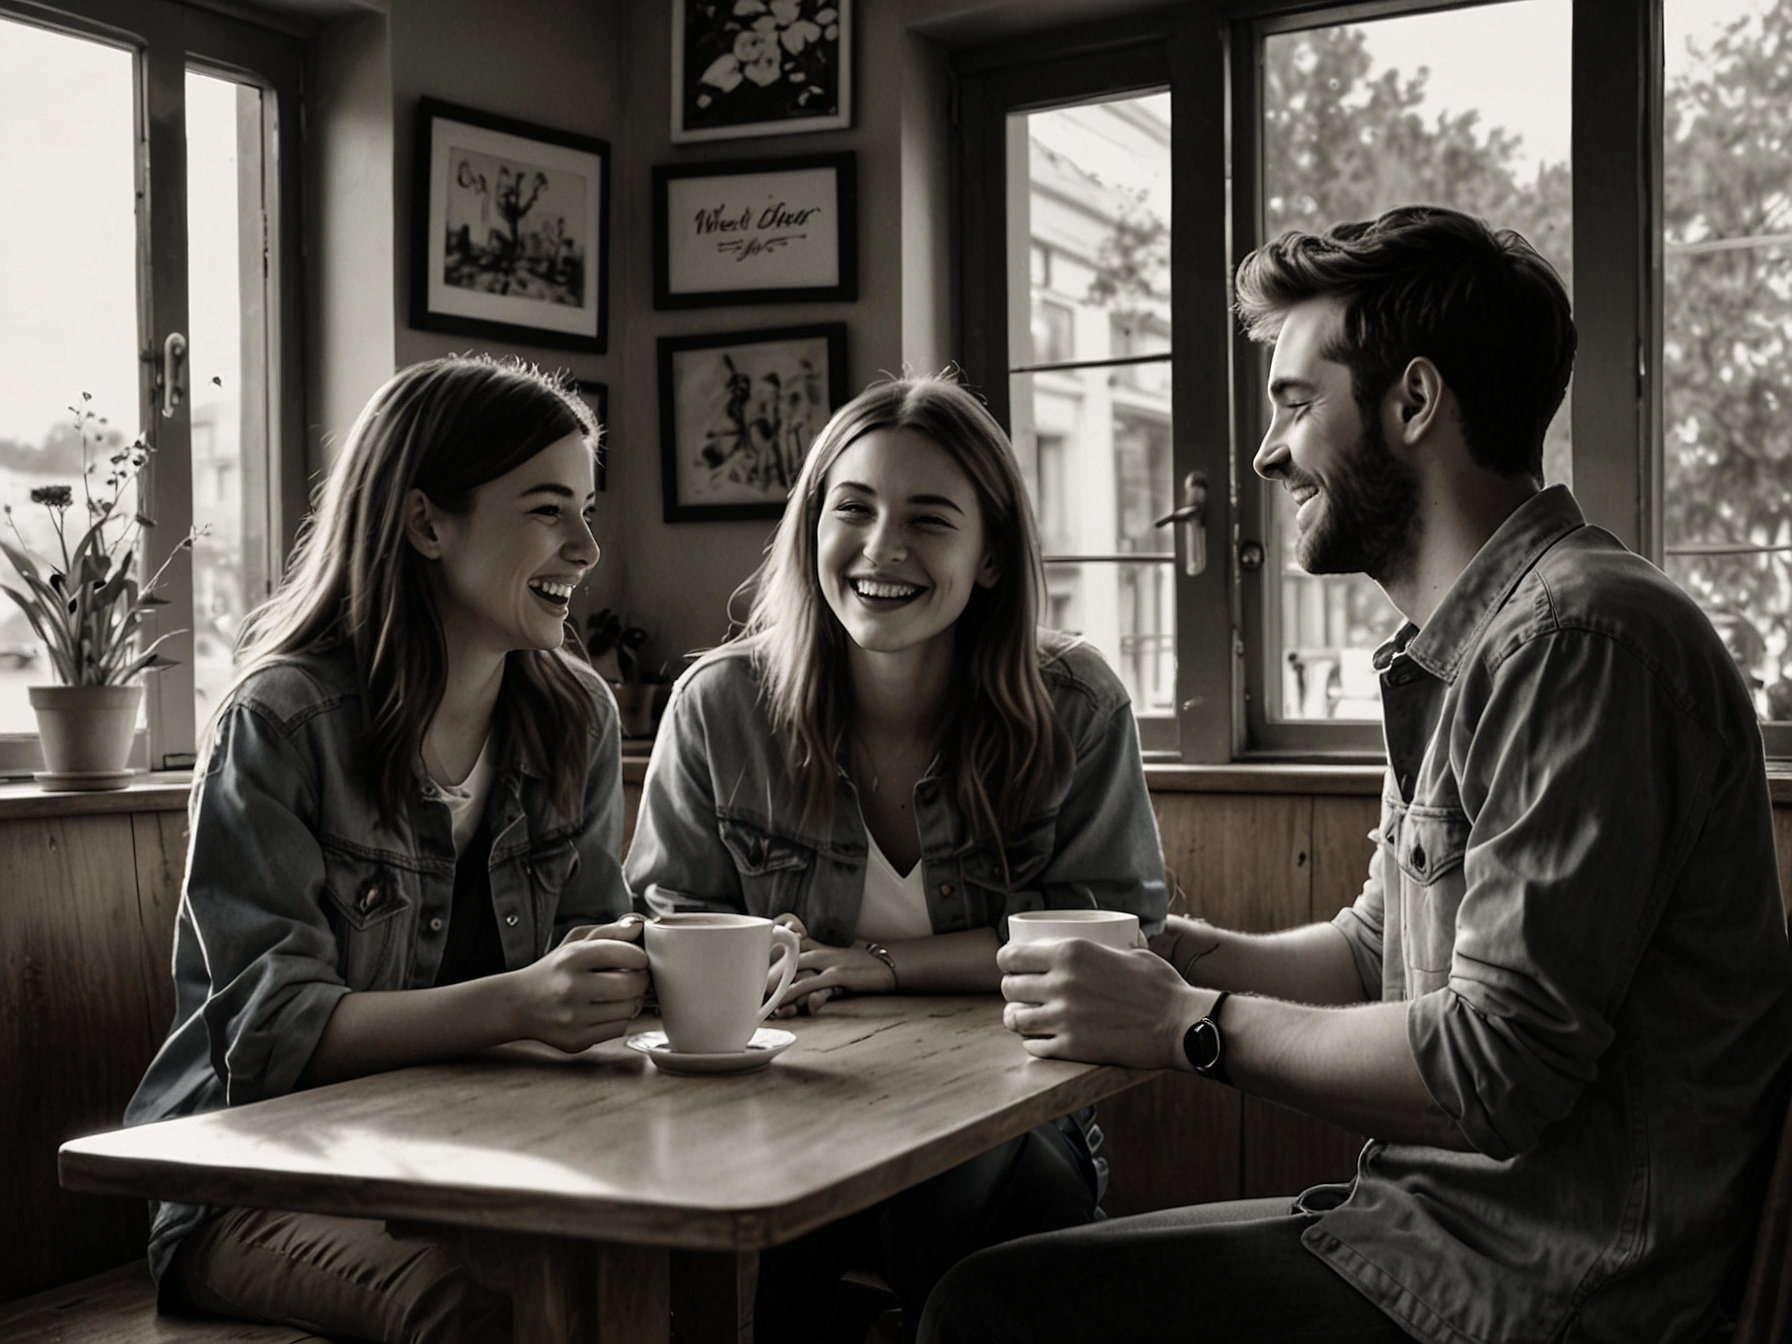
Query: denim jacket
(1574, 887)
(295, 894)
(720, 826)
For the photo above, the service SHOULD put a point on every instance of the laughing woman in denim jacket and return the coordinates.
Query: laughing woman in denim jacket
(404, 831)
(893, 759)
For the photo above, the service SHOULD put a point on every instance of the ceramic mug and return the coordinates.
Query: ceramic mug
(1112, 928)
(709, 973)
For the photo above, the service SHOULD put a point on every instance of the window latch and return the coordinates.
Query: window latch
(174, 373)
(1192, 514)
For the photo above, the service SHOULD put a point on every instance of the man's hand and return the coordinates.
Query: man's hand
(1079, 1000)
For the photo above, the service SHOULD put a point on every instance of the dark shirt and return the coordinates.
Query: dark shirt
(1574, 886)
(474, 948)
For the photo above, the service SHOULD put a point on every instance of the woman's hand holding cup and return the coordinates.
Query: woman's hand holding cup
(586, 990)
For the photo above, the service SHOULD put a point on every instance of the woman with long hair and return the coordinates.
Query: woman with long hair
(404, 830)
(893, 758)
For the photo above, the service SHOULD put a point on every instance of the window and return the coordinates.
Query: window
(1087, 380)
(1677, 250)
(102, 304)
(1727, 329)
(1357, 118)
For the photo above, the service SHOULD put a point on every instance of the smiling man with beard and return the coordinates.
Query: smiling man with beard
(1560, 1006)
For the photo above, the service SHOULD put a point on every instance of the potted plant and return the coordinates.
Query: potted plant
(86, 605)
(615, 653)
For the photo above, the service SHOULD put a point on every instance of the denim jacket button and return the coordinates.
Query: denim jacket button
(510, 920)
(435, 925)
(371, 898)
(1418, 857)
(945, 888)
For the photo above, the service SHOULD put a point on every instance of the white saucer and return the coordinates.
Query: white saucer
(767, 1043)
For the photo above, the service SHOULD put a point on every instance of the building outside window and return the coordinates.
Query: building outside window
(1089, 383)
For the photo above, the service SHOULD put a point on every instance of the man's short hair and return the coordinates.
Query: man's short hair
(1421, 280)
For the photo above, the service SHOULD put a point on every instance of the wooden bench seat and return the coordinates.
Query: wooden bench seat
(119, 1307)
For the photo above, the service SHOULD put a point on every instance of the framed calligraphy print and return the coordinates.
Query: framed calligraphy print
(766, 231)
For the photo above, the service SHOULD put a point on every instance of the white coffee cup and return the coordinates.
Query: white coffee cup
(1111, 928)
(709, 974)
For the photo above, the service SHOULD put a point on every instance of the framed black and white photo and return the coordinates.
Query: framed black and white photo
(597, 397)
(760, 67)
(769, 231)
(738, 411)
(510, 233)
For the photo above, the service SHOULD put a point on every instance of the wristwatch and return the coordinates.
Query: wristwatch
(1205, 1046)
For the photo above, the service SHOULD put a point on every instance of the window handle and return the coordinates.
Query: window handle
(1193, 516)
(174, 373)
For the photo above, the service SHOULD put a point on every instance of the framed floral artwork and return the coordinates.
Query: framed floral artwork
(738, 411)
(510, 230)
(760, 67)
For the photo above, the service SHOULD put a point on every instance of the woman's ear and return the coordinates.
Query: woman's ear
(989, 571)
(420, 524)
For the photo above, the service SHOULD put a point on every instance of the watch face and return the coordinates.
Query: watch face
(1201, 1043)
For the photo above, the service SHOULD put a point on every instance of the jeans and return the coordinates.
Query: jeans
(1233, 1273)
(346, 1278)
(1043, 1180)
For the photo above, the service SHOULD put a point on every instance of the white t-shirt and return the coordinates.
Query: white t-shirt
(466, 800)
(895, 907)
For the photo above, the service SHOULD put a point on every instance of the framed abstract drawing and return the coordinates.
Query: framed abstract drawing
(510, 230)
(760, 67)
(738, 411)
(766, 231)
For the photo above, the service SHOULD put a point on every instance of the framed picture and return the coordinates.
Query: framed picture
(597, 397)
(738, 411)
(510, 234)
(760, 67)
(771, 231)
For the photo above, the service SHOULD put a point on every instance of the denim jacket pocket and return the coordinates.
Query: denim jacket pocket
(1429, 853)
(369, 911)
(773, 868)
(549, 869)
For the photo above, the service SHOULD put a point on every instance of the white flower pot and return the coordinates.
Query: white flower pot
(86, 732)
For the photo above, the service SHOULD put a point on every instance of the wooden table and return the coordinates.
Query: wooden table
(598, 1190)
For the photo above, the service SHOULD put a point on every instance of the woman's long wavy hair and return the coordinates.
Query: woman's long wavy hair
(444, 427)
(1004, 745)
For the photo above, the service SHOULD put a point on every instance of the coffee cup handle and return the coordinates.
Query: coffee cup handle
(789, 948)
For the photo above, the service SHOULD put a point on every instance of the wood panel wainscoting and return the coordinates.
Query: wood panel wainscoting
(89, 886)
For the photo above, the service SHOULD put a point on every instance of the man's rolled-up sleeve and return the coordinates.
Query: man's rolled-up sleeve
(254, 891)
(1585, 787)
(1363, 922)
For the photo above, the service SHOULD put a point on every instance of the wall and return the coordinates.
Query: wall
(602, 68)
(561, 68)
(677, 577)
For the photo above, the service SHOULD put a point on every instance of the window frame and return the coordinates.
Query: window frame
(167, 38)
(1214, 66)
